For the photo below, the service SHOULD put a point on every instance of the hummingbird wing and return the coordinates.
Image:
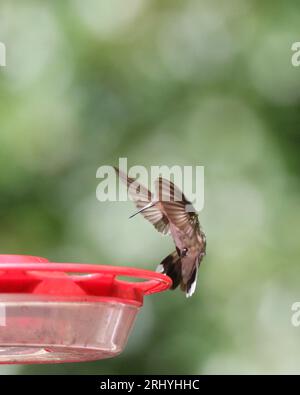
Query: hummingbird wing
(182, 215)
(142, 197)
(178, 209)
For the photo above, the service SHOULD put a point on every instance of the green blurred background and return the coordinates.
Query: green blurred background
(161, 82)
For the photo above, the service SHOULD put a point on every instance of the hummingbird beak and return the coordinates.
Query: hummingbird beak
(151, 204)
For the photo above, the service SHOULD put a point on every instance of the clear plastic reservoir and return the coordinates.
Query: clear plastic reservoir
(37, 330)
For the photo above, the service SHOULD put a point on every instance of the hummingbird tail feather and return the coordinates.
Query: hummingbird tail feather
(171, 266)
(190, 287)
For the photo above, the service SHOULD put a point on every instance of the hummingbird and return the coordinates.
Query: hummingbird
(172, 214)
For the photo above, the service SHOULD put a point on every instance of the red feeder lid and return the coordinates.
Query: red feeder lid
(35, 275)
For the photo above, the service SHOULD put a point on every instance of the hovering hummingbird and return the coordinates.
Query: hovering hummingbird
(171, 213)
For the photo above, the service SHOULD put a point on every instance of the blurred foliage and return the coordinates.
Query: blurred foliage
(197, 83)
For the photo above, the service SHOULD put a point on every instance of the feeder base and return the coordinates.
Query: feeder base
(26, 355)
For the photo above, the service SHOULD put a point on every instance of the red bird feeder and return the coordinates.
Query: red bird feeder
(68, 312)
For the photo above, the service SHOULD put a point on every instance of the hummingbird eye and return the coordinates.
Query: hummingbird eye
(184, 252)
